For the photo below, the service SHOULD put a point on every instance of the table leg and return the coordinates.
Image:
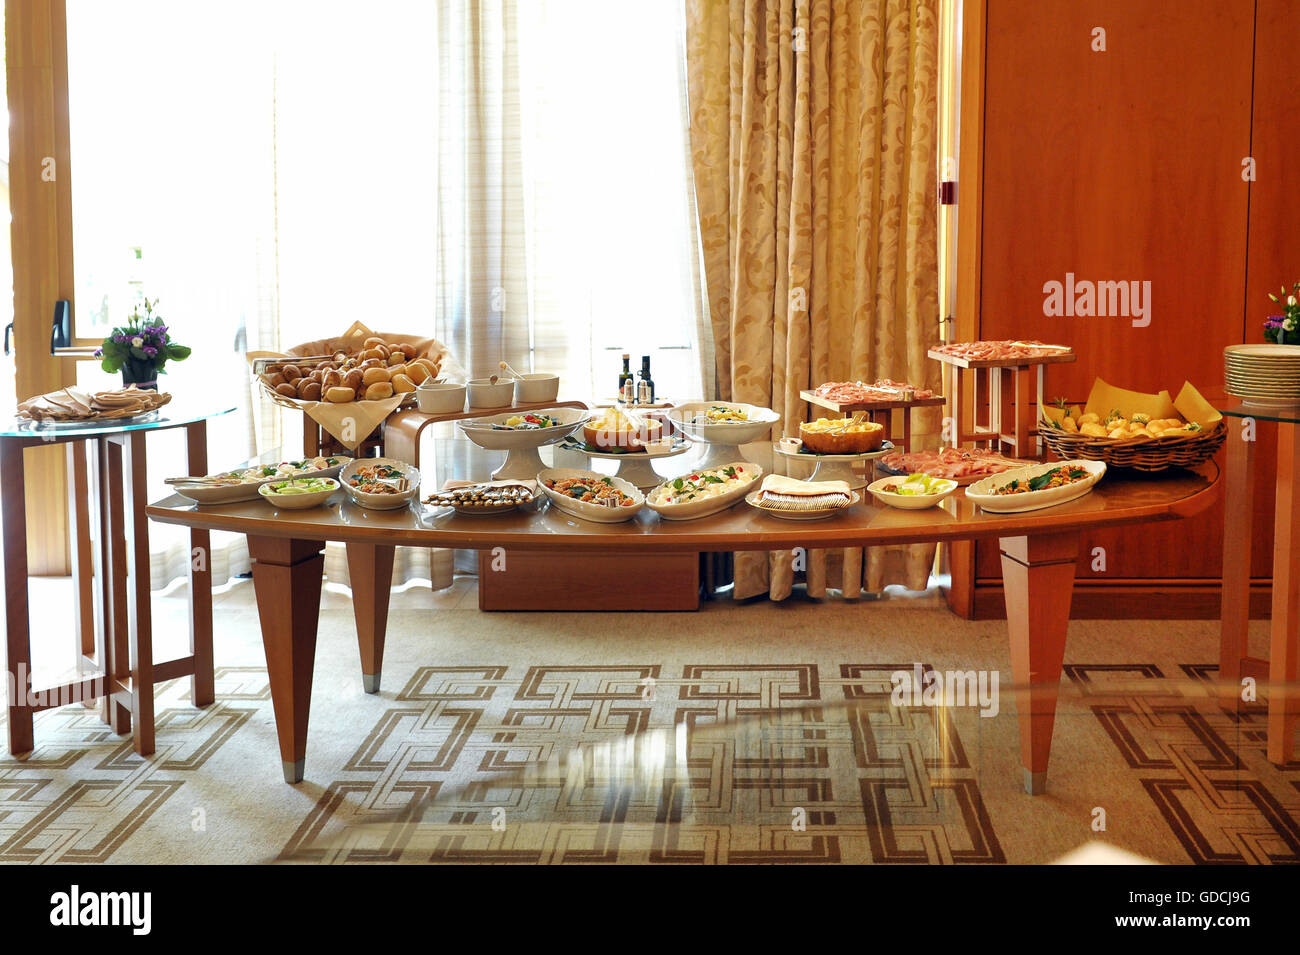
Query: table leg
(370, 570)
(287, 581)
(1038, 578)
(1025, 447)
(203, 688)
(1234, 605)
(1284, 653)
(995, 406)
(139, 594)
(81, 556)
(18, 651)
(117, 643)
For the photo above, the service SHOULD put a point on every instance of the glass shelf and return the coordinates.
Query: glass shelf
(168, 416)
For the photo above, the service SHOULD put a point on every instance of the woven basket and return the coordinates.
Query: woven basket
(1140, 454)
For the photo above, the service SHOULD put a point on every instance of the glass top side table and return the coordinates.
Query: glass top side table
(111, 593)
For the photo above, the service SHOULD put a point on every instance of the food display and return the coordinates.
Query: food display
(718, 413)
(601, 491)
(528, 422)
(1056, 477)
(1035, 487)
(260, 473)
(376, 371)
(858, 392)
(379, 479)
(1001, 351)
(612, 428)
(962, 465)
(785, 496)
(497, 498)
(591, 496)
(298, 493)
(841, 435)
(74, 404)
(703, 492)
(380, 483)
(913, 492)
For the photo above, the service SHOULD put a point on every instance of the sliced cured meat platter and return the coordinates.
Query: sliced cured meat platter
(1008, 353)
(963, 465)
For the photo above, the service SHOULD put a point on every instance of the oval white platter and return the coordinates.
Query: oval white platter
(597, 513)
(691, 510)
(983, 492)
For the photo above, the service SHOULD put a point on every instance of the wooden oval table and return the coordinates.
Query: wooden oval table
(1039, 549)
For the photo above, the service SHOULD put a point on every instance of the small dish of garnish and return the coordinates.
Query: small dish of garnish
(913, 492)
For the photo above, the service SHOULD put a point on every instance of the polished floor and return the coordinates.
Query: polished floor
(757, 733)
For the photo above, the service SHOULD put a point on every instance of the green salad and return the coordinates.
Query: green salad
(302, 486)
(920, 485)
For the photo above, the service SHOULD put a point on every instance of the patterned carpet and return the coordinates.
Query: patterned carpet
(741, 734)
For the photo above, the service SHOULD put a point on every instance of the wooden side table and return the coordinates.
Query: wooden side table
(978, 384)
(1282, 667)
(114, 634)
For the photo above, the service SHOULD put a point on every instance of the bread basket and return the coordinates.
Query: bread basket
(1139, 454)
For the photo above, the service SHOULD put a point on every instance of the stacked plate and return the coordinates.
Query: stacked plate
(1264, 375)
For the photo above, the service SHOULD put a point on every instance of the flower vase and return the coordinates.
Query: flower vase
(140, 372)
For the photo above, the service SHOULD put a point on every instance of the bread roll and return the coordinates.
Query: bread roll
(317, 374)
(332, 379)
(371, 363)
(396, 358)
(352, 380)
(340, 395)
(291, 372)
(372, 376)
(300, 386)
(268, 380)
(416, 372)
(286, 389)
(384, 351)
(408, 350)
(402, 384)
(372, 341)
(380, 389)
(277, 380)
(370, 353)
(395, 370)
(311, 391)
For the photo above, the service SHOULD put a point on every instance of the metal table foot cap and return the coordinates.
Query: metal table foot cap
(370, 681)
(1035, 783)
(293, 771)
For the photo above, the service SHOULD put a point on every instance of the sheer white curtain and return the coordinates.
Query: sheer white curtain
(513, 178)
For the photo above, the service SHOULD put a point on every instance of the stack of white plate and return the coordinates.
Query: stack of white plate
(1264, 375)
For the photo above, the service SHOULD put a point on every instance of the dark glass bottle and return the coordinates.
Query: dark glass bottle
(645, 376)
(625, 374)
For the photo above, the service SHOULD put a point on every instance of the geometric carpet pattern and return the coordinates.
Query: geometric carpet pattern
(761, 764)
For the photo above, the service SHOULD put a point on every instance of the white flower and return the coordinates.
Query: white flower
(137, 341)
(1290, 299)
(1288, 324)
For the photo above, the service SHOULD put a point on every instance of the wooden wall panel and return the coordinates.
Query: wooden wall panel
(1120, 165)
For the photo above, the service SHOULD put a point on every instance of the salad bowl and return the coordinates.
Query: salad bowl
(402, 477)
(704, 491)
(298, 493)
(912, 491)
(520, 434)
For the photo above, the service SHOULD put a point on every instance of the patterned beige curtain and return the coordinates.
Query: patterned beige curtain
(813, 128)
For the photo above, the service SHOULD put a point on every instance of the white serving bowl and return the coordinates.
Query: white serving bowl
(723, 432)
(910, 502)
(709, 505)
(442, 397)
(590, 512)
(381, 502)
(984, 492)
(481, 432)
(484, 394)
(536, 387)
(293, 502)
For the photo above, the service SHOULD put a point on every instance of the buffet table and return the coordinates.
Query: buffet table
(1039, 551)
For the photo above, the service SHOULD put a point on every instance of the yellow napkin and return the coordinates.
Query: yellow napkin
(351, 423)
(1193, 407)
(1105, 397)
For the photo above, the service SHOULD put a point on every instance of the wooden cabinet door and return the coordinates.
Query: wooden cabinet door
(1120, 165)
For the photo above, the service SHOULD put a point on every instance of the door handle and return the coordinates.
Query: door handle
(9, 331)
